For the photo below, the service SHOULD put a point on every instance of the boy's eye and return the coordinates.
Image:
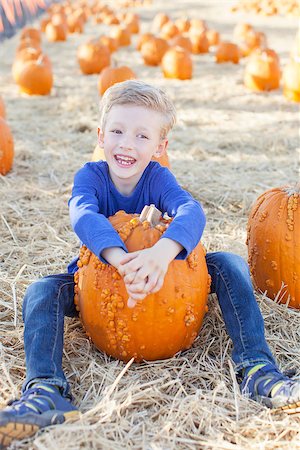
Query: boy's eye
(116, 131)
(142, 136)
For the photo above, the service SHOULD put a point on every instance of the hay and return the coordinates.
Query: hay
(228, 147)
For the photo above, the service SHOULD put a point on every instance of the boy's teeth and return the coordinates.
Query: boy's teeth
(126, 160)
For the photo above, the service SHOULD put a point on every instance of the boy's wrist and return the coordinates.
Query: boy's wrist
(168, 248)
(113, 255)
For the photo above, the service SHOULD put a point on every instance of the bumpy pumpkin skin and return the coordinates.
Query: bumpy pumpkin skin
(99, 154)
(273, 239)
(160, 325)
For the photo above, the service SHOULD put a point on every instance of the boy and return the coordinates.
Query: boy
(134, 123)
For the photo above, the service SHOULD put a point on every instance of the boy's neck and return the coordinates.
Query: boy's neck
(124, 187)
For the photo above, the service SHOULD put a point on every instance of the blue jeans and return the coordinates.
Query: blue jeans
(50, 299)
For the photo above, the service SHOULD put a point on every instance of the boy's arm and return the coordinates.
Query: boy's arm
(88, 221)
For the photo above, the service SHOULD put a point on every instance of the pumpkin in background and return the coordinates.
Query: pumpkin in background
(110, 42)
(241, 30)
(181, 41)
(23, 57)
(159, 20)
(112, 75)
(75, 24)
(227, 52)
(183, 24)
(93, 57)
(31, 33)
(169, 30)
(2, 108)
(56, 32)
(98, 155)
(132, 22)
(122, 35)
(160, 325)
(199, 40)
(142, 39)
(273, 240)
(291, 81)
(262, 72)
(153, 50)
(177, 63)
(6, 148)
(213, 37)
(36, 77)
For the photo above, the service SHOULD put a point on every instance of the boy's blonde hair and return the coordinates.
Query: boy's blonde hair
(138, 93)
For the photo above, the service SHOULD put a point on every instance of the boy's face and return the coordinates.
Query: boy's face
(130, 138)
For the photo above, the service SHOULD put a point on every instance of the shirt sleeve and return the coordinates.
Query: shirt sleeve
(188, 215)
(87, 220)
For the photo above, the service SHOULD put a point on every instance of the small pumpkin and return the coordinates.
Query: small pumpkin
(56, 32)
(291, 80)
(31, 33)
(227, 52)
(177, 63)
(122, 35)
(110, 42)
(112, 75)
(181, 41)
(262, 72)
(153, 50)
(24, 56)
(75, 24)
(93, 57)
(183, 24)
(160, 325)
(159, 20)
(213, 37)
(273, 240)
(2, 108)
(132, 22)
(6, 148)
(200, 43)
(36, 77)
(169, 30)
(142, 39)
(98, 155)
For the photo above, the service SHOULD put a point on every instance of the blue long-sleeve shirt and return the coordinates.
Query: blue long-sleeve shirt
(95, 198)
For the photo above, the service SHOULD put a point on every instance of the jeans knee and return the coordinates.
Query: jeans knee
(38, 296)
(231, 264)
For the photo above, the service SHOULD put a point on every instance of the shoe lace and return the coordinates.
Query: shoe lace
(35, 399)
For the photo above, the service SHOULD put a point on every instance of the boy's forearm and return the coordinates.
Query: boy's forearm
(113, 255)
(168, 248)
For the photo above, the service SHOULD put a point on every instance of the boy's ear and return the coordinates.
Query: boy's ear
(162, 146)
(100, 138)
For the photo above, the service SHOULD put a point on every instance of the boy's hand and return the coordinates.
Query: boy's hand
(144, 270)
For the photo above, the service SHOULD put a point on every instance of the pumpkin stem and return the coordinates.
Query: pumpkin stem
(151, 214)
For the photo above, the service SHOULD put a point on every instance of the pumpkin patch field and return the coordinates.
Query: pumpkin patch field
(233, 73)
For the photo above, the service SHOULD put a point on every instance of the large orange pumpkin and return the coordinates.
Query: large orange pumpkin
(99, 154)
(160, 325)
(112, 75)
(177, 63)
(6, 148)
(262, 72)
(291, 80)
(273, 239)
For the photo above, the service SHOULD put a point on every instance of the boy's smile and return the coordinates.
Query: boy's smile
(132, 136)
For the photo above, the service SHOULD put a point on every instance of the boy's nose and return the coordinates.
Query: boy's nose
(127, 144)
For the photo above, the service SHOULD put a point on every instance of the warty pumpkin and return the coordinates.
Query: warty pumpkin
(291, 80)
(177, 63)
(273, 240)
(262, 71)
(36, 78)
(6, 148)
(93, 57)
(112, 75)
(160, 325)
(98, 155)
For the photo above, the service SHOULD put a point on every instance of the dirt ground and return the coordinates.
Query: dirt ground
(229, 146)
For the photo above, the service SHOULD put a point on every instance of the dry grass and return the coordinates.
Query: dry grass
(228, 147)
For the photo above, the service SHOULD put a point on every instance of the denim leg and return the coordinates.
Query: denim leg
(243, 320)
(46, 302)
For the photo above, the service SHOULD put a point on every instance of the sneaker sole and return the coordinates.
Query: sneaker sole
(291, 409)
(19, 430)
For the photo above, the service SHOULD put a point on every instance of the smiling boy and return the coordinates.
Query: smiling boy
(135, 119)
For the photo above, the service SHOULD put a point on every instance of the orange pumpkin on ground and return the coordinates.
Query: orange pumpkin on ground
(159, 20)
(36, 77)
(23, 57)
(291, 81)
(227, 52)
(169, 30)
(181, 41)
(6, 148)
(262, 72)
(160, 325)
(56, 32)
(122, 35)
(200, 43)
(2, 108)
(142, 39)
(183, 24)
(213, 37)
(273, 239)
(93, 57)
(110, 42)
(98, 155)
(112, 75)
(177, 63)
(31, 33)
(153, 50)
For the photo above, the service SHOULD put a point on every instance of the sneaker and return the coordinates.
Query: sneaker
(38, 407)
(267, 385)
